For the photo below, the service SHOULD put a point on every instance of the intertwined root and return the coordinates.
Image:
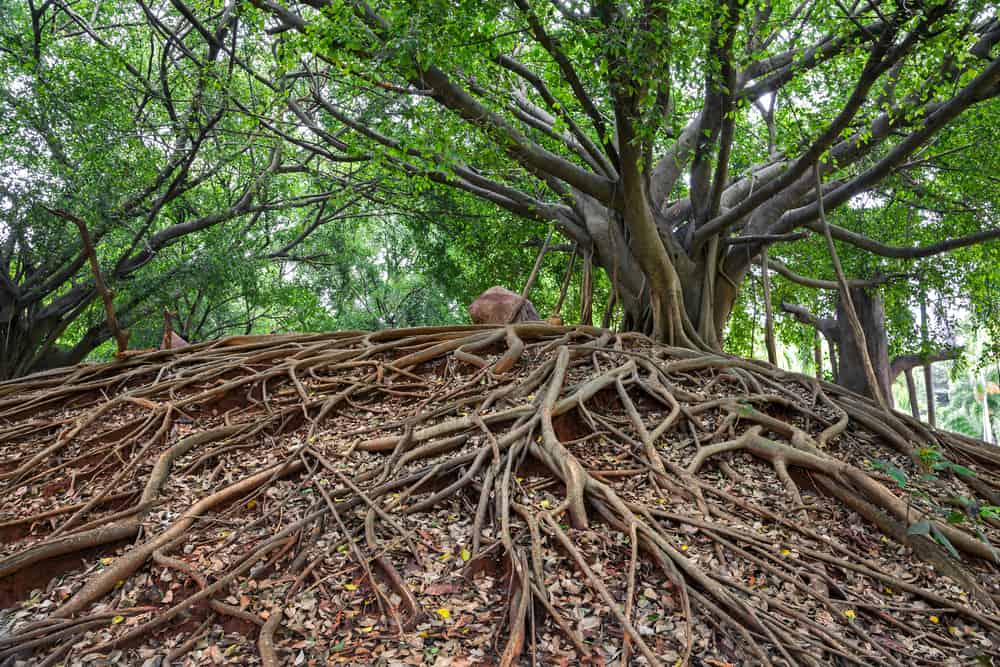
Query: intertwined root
(604, 497)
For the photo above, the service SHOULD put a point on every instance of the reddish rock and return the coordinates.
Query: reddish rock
(172, 341)
(497, 305)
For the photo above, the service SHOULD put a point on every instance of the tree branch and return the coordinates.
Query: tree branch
(907, 362)
(825, 325)
(121, 335)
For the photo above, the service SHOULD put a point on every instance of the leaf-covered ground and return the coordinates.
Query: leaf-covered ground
(483, 495)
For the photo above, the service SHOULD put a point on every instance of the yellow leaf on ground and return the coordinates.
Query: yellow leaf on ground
(849, 613)
(444, 613)
(350, 587)
(465, 554)
(117, 619)
(107, 561)
(935, 620)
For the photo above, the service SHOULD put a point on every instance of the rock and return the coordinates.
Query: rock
(172, 341)
(497, 305)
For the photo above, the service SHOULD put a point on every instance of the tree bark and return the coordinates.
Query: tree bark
(29, 343)
(818, 355)
(928, 376)
(911, 390)
(846, 358)
(871, 316)
(929, 385)
(772, 349)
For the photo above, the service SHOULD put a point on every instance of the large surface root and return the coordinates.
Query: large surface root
(485, 495)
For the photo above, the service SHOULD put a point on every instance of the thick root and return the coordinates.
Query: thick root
(520, 493)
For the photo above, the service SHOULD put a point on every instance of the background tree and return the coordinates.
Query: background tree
(671, 143)
(125, 116)
(954, 192)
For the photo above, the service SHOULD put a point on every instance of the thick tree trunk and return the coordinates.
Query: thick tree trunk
(852, 374)
(846, 361)
(29, 344)
(692, 312)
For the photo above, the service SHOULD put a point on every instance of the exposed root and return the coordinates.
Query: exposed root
(605, 498)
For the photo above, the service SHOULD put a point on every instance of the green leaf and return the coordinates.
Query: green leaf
(989, 512)
(955, 517)
(940, 538)
(893, 471)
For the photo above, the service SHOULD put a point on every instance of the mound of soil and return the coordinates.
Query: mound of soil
(483, 495)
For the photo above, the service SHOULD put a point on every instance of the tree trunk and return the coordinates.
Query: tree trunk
(834, 363)
(772, 348)
(928, 376)
(817, 355)
(911, 390)
(929, 386)
(691, 311)
(851, 369)
(29, 342)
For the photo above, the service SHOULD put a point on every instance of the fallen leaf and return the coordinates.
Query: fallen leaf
(441, 588)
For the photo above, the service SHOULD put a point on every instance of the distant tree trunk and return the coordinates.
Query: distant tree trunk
(587, 291)
(818, 355)
(911, 390)
(30, 331)
(772, 349)
(28, 335)
(834, 366)
(929, 386)
(928, 376)
(845, 354)
(871, 313)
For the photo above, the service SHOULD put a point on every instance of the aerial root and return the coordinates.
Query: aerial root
(327, 452)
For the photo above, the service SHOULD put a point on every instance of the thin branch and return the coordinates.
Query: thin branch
(848, 301)
(121, 335)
